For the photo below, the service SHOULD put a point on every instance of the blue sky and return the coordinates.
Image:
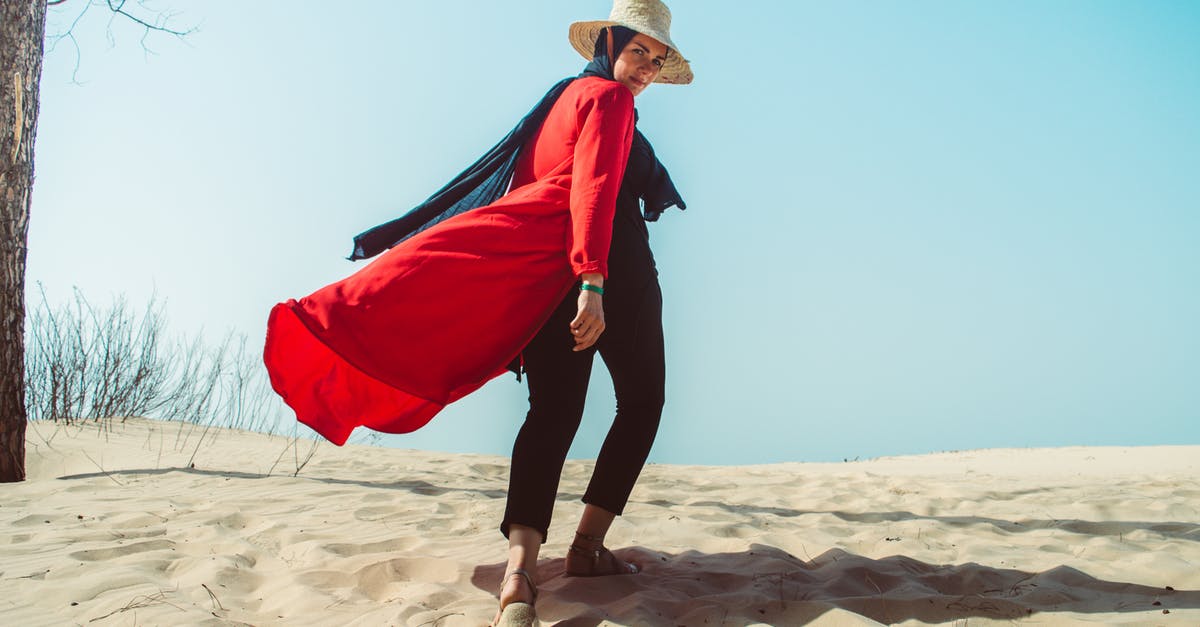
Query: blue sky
(912, 227)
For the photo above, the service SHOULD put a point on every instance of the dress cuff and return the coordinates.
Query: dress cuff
(591, 266)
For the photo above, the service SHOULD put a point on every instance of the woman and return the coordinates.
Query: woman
(470, 277)
(558, 363)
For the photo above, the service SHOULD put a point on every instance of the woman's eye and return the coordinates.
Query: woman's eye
(657, 63)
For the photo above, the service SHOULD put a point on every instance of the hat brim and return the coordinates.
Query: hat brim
(676, 70)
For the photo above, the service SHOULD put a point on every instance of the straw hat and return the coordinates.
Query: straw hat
(648, 17)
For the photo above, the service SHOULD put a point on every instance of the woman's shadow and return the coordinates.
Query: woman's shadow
(768, 585)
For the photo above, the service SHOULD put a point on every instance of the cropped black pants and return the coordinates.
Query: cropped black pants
(632, 348)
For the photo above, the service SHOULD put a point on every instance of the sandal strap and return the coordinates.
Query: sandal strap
(595, 556)
(594, 553)
(528, 579)
(583, 550)
(589, 538)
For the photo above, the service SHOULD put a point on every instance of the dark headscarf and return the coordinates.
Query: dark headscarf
(602, 58)
(487, 179)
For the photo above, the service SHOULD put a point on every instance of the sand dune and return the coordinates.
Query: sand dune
(148, 524)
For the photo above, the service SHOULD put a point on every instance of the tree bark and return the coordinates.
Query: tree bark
(22, 30)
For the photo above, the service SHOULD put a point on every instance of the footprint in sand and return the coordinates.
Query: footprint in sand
(97, 555)
(386, 546)
(32, 520)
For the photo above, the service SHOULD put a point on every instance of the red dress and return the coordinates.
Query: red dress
(436, 317)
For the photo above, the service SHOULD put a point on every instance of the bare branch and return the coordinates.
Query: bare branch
(160, 24)
(70, 34)
(118, 8)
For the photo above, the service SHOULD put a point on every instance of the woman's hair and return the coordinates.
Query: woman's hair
(621, 36)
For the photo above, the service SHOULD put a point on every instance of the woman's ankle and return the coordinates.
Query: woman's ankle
(588, 541)
(523, 548)
(593, 525)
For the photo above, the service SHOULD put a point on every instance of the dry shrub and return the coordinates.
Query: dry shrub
(89, 363)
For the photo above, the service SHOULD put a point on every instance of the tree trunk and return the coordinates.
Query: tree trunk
(22, 30)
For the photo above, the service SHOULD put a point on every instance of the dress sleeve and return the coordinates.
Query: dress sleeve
(605, 136)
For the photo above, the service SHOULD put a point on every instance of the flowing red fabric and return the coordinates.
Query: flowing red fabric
(437, 316)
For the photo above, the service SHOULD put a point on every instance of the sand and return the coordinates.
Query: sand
(147, 524)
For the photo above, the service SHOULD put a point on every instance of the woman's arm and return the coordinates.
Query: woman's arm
(601, 152)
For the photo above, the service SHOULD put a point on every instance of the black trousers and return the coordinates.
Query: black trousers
(632, 349)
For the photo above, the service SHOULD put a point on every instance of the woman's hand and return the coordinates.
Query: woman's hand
(589, 322)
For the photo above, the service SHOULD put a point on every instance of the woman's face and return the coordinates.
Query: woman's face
(639, 63)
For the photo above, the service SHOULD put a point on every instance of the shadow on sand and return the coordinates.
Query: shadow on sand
(415, 486)
(767, 585)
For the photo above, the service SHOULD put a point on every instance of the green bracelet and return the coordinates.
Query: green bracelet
(591, 288)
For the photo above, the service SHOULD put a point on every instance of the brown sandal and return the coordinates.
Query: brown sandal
(518, 613)
(600, 561)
